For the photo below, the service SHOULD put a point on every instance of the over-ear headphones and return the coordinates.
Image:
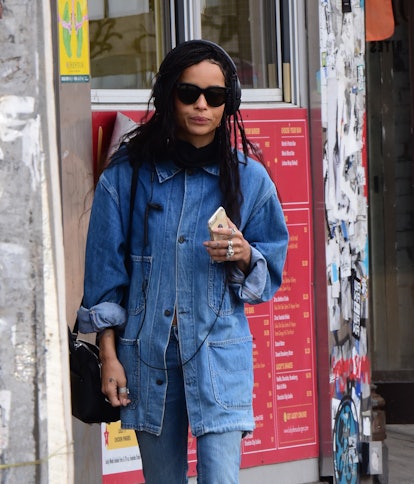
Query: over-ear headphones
(234, 97)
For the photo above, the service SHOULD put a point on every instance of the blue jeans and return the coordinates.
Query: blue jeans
(164, 457)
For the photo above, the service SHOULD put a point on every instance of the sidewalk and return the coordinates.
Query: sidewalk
(400, 444)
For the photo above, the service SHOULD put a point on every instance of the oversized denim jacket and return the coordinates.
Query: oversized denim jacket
(172, 272)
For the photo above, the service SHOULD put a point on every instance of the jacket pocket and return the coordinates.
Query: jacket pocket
(140, 279)
(231, 370)
(128, 355)
(220, 298)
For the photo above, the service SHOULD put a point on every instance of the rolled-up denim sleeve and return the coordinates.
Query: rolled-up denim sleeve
(251, 287)
(106, 277)
(102, 316)
(264, 227)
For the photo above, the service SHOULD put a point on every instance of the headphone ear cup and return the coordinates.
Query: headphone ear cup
(234, 98)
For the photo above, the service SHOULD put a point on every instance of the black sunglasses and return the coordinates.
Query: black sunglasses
(189, 93)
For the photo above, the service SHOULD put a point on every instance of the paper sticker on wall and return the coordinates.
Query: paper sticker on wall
(73, 28)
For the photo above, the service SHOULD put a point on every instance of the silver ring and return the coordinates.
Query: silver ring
(230, 252)
(123, 390)
(233, 231)
(230, 242)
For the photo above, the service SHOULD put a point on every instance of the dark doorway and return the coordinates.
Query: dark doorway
(390, 92)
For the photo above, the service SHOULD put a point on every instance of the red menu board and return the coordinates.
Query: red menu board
(283, 329)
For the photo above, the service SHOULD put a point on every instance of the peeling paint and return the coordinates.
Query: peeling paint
(32, 153)
(17, 121)
(35, 420)
(13, 110)
(5, 401)
(14, 261)
(25, 362)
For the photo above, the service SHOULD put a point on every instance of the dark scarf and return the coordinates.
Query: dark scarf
(185, 155)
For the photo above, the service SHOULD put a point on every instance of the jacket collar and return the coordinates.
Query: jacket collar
(168, 169)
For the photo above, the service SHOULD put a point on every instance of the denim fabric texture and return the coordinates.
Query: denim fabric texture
(164, 457)
(174, 273)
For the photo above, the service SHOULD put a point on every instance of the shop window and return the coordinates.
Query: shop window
(247, 30)
(128, 41)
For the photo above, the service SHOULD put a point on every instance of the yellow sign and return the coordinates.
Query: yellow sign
(117, 438)
(73, 40)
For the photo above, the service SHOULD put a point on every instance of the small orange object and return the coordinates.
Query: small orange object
(379, 20)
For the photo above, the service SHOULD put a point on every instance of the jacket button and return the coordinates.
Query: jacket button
(167, 312)
(159, 382)
(181, 239)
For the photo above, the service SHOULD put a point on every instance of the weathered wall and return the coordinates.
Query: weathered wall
(76, 172)
(342, 44)
(35, 434)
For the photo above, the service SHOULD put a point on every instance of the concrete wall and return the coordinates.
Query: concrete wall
(76, 177)
(35, 424)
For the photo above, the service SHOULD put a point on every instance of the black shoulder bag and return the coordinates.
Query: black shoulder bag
(88, 402)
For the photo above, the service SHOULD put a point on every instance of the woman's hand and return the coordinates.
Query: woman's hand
(230, 246)
(114, 383)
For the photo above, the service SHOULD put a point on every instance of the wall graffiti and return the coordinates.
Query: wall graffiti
(345, 442)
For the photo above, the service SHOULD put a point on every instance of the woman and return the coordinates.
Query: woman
(175, 343)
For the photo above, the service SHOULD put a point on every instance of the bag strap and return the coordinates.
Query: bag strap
(134, 184)
(72, 337)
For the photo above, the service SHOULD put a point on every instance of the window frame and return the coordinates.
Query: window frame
(185, 24)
